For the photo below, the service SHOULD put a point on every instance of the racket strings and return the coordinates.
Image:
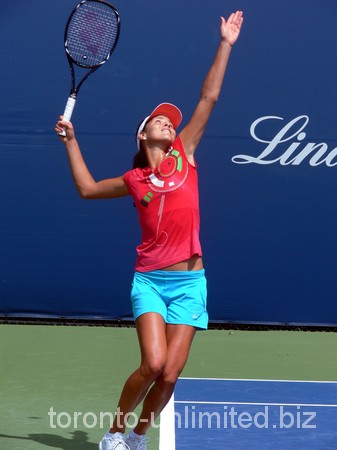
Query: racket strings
(92, 34)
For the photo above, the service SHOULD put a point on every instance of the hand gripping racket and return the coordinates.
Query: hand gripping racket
(90, 37)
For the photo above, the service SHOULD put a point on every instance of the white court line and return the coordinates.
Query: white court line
(259, 380)
(191, 402)
(167, 438)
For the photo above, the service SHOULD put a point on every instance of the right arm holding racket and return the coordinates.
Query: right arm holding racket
(90, 37)
(84, 181)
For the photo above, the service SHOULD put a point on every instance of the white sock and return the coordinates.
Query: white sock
(135, 435)
(108, 434)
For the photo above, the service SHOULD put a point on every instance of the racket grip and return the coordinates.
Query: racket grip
(68, 111)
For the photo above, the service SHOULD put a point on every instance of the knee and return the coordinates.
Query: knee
(153, 369)
(169, 377)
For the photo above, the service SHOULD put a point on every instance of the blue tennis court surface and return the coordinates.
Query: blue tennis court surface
(225, 414)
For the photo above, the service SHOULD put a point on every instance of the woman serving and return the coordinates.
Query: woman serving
(169, 287)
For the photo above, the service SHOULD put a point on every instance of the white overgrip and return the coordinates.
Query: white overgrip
(68, 111)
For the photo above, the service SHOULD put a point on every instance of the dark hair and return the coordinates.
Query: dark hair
(139, 160)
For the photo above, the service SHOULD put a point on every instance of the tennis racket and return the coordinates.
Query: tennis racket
(90, 37)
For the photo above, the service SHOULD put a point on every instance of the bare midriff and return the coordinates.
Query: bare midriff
(194, 263)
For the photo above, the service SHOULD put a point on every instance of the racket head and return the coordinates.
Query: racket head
(91, 33)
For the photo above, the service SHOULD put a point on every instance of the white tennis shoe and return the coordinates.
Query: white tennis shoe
(115, 441)
(137, 443)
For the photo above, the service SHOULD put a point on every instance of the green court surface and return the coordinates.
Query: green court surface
(58, 384)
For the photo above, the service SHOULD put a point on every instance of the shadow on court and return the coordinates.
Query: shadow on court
(79, 439)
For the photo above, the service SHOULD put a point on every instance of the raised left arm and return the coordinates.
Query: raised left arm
(193, 131)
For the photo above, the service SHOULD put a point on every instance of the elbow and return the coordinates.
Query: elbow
(210, 98)
(86, 193)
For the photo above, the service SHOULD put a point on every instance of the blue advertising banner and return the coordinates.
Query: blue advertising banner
(267, 163)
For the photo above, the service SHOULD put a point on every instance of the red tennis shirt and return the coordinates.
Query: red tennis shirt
(167, 201)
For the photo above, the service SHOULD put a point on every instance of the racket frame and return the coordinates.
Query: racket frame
(74, 89)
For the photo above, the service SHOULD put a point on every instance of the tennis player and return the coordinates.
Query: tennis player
(169, 286)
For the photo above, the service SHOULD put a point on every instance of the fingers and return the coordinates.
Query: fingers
(230, 29)
(60, 126)
(235, 18)
(64, 126)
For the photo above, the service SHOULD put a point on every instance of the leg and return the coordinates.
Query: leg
(151, 330)
(179, 340)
